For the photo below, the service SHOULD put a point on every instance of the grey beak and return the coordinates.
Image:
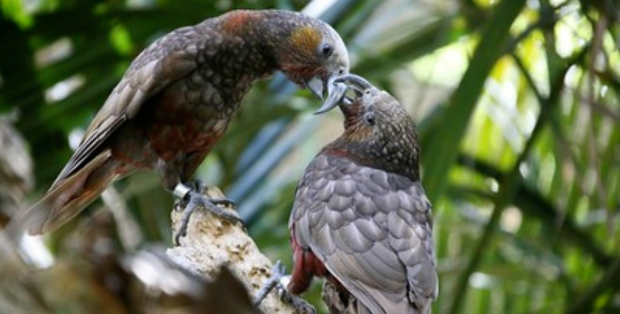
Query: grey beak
(336, 92)
(337, 88)
(358, 83)
(315, 85)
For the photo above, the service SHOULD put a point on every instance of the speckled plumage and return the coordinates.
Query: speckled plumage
(177, 97)
(361, 217)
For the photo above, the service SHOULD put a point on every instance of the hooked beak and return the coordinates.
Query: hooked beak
(335, 94)
(316, 85)
(337, 88)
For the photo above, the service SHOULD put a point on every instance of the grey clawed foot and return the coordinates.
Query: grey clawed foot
(277, 273)
(194, 198)
(278, 281)
(199, 187)
(300, 305)
(223, 202)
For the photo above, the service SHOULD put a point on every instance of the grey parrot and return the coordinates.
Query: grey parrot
(176, 100)
(361, 218)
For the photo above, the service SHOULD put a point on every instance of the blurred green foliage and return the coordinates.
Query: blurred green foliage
(517, 104)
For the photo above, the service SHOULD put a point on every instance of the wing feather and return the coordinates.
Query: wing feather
(163, 63)
(384, 257)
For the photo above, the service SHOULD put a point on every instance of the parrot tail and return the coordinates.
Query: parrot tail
(68, 197)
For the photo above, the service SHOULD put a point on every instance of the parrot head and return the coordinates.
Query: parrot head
(313, 54)
(378, 127)
(307, 50)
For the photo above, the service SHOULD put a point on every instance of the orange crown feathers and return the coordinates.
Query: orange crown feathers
(306, 39)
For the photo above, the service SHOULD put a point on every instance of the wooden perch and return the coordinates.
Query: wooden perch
(211, 243)
(87, 278)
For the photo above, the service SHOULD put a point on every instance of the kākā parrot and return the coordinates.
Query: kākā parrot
(361, 218)
(176, 99)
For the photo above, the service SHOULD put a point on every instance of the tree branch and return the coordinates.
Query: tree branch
(212, 243)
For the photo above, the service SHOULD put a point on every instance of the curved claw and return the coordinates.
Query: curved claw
(277, 273)
(278, 280)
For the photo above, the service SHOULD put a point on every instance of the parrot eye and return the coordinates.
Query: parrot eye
(326, 50)
(369, 118)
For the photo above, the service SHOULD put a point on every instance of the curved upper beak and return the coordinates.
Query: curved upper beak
(337, 88)
(336, 92)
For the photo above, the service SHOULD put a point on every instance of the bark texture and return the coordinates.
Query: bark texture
(211, 243)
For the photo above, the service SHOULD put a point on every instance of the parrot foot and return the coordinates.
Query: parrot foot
(279, 281)
(192, 198)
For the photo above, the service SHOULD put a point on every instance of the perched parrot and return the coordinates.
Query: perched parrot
(176, 100)
(361, 218)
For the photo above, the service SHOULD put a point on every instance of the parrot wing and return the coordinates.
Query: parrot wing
(164, 62)
(372, 230)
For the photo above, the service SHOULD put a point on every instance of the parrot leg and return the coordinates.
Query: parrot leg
(279, 280)
(192, 198)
